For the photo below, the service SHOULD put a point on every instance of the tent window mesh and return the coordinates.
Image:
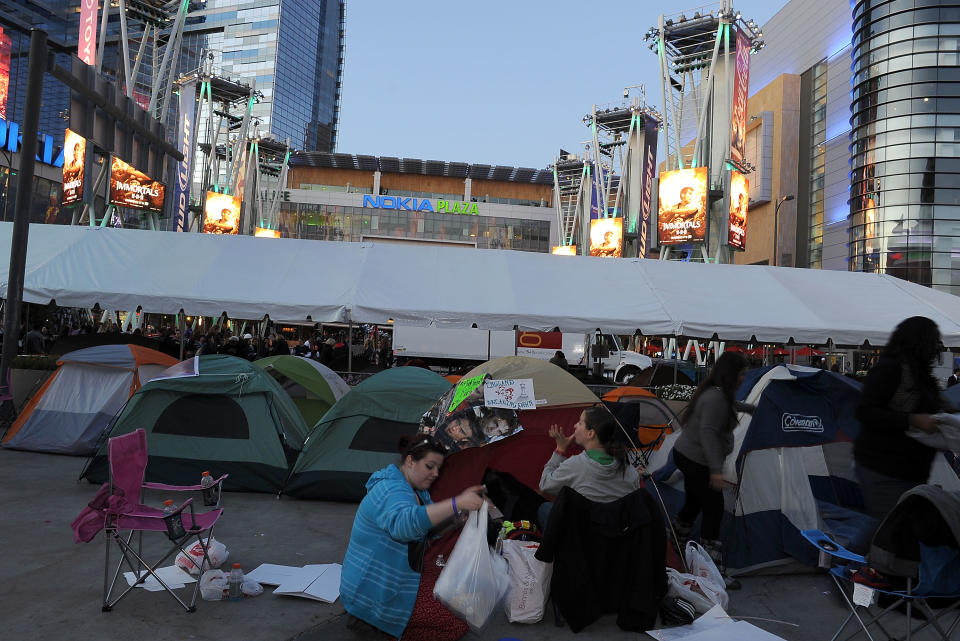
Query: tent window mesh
(380, 435)
(207, 416)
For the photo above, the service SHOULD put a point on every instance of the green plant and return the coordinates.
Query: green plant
(34, 362)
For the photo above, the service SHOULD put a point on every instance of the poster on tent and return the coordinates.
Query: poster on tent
(221, 214)
(74, 150)
(739, 197)
(460, 419)
(512, 394)
(130, 187)
(606, 237)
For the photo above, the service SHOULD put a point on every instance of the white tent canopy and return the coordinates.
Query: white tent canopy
(249, 277)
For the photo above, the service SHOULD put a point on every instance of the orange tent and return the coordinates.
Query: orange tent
(453, 379)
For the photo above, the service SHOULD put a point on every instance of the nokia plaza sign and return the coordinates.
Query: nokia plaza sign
(421, 204)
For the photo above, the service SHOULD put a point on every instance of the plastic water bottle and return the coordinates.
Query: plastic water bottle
(206, 480)
(168, 508)
(235, 583)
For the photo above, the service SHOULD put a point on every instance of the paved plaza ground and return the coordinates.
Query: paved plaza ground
(50, 588)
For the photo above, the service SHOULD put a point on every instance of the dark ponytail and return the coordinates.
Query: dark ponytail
(605, 426)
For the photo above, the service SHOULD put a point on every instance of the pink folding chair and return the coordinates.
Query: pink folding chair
(118, 509)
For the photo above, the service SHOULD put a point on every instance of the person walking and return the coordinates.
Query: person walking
(704, 444)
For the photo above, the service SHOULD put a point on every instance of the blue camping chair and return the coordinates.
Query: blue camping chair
(913, 596)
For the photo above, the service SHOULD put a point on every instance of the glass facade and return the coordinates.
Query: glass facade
(334, 222)
(905, 183)
(818, 143)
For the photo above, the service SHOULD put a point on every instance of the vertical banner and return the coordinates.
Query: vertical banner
(186, 143)
(741, 85)
(595, 193)
(648, 166)
(74, 150)
(87, 45)
(739, 197)
(5, 45)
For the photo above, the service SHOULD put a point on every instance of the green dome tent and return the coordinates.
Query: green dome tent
(312, 386)
(359, 435)
(216, 413)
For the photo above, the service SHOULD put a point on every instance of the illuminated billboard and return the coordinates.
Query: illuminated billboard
(606, 237)
(74, 150)
(564, 250)
(5, 45)
(682, 213)
(261, 232)
(739, 197)
(221, 215)
(130, 187)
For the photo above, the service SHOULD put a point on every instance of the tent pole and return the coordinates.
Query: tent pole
(350, 347)
(182, 327)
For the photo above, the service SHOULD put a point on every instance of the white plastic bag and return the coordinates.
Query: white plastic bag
(191, 561)
(701, 564)
(213, 585)
(474, 579)
(697, 590)
(529, 582)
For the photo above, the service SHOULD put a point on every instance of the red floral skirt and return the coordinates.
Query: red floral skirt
(431, 621)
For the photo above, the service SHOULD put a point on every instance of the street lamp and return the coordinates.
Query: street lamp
(776, 226)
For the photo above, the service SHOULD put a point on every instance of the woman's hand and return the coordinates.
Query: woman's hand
(556, 433)
(716, 481)
(470, 499)
(924, 423)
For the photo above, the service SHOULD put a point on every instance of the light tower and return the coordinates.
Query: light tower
(703, 58)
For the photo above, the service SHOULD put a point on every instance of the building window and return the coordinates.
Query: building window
(818, 145)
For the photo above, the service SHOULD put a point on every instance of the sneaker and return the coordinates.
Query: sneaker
(677, 611)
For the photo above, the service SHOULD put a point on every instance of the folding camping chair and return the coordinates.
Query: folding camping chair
(125, 515)
(863, 614)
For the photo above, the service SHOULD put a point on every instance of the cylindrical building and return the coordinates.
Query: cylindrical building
(905, 141)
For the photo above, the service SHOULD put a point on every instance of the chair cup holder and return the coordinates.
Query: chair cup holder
(175, 529)
(211, 495)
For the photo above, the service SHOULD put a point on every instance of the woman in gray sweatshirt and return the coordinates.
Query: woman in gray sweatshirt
(703, 445)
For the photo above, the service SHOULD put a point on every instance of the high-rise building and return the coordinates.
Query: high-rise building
(290, 50)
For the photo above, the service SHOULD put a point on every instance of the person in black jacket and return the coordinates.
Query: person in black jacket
(899, 394)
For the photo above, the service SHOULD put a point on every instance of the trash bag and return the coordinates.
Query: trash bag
(191, 561)
(213, 585)
(529, 582)
(474, 580)
(694, 589)
(701, 565)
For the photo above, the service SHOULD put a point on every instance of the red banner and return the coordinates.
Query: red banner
(540, 340)
(4, 72)
(741, 84)
(87, 46)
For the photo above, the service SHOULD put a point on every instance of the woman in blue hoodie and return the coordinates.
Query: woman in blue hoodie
(378, 584)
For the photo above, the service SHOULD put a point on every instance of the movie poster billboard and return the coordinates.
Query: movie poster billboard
(262, 232)
(130, 187)
(739, 197)
(682, 213)
(564, 250)
(477, 411)
(5, 45)
(741, 85)
(606, 237)
(74, 151)
(221, 215)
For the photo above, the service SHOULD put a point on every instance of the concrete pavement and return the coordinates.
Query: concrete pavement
(50, 588)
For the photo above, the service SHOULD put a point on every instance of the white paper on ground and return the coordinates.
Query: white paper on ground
(270, 574)
(710, 620)
(318, 582)
(173, 576)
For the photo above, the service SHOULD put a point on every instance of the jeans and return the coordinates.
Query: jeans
(699, 497)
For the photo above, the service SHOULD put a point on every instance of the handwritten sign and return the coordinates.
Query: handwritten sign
(515, 394)
(465, 388)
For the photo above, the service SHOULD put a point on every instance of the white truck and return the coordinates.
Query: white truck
(459, 348)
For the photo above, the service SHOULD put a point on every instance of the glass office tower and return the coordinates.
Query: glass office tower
(905, 181)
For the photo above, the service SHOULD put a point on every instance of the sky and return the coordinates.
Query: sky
(493, 81)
